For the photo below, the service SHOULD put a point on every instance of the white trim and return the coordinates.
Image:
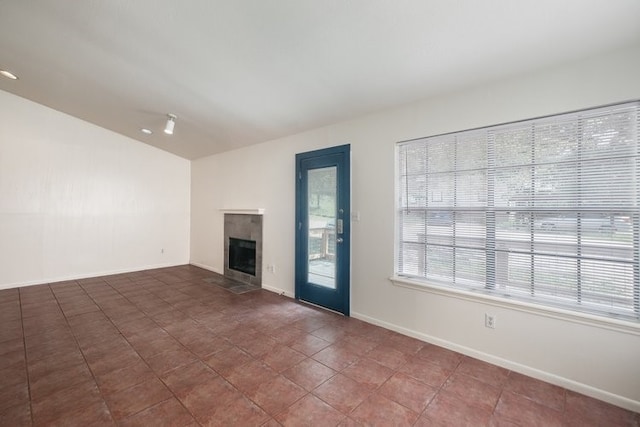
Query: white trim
(616, 325)
(578, 387)
(206, 267)
(255, 211)
(278, 291)
(53, 280)
(266, 287)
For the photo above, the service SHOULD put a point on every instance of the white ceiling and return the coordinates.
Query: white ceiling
(240, 72)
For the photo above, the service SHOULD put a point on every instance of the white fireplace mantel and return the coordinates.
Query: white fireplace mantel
(254, 211)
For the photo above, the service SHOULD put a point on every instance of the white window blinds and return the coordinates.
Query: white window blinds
(543, 210)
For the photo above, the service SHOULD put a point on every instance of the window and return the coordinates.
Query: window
(544, 210)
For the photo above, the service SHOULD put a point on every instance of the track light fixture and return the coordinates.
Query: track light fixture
(171, 122)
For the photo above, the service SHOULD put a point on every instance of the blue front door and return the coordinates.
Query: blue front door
(323, 227)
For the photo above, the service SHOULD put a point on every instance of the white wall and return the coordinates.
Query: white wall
(586, 357)
(77, 200)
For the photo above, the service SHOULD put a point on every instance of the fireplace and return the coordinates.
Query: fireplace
(242, 255)
(243, 247)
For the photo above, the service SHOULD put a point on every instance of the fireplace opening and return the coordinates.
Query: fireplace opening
(242, 255)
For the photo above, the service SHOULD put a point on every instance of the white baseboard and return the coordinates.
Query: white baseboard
(54, 279)
(596, 393)
(278, 291)
(578, 387)
(265, 286)
(206, 267)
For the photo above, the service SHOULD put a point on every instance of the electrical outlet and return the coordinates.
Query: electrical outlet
(489, 321)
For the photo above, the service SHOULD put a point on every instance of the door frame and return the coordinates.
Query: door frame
(322, 157)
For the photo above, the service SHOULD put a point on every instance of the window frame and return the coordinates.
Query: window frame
(488, 293)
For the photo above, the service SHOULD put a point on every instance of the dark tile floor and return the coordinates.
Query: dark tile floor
(163, 347)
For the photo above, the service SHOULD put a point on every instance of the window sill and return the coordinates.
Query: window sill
(617, 325)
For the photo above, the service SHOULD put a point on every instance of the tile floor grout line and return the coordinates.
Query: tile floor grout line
(439, 389)
(134, 349)
(66, 318)
(26, 360)
(260, 312)
(120, 333)
(371, 392)
(198, 359)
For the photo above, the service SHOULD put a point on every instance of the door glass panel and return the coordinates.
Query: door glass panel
(322, 226)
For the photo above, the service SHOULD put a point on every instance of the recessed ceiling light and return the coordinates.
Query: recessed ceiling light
(146, 131)
(8, 74)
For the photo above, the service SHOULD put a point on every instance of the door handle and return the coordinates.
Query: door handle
(339, 240)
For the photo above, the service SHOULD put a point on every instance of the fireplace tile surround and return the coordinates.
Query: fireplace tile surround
(245, 226)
